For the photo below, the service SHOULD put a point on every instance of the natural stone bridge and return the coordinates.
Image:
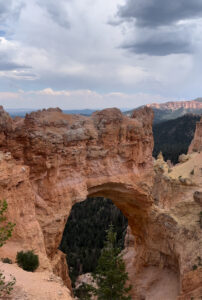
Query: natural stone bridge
(50, 160)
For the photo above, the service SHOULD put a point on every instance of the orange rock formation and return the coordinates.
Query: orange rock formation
(196, 144)
(50, 160)
(194, 104)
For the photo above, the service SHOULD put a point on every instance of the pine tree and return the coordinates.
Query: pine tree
(110, 274)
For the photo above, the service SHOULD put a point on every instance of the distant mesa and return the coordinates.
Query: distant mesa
(172, 110)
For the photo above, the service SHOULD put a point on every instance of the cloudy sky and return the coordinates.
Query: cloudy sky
(99, 53)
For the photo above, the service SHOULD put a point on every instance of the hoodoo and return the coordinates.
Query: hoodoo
(196, 144)
(49, 161)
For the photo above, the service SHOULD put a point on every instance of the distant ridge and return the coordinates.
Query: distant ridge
(21, 112)
(162, 111)
(193, 104)
(172, 110)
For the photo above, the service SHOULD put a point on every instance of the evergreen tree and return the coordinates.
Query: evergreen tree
(110, 274)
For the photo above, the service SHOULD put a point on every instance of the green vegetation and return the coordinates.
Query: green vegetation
(85, 232)
(199, 264)
(6, 286)
(6, 260)
(28, 261)
(173, 137)
(83, 292)
(192, 172)
(7, 228)
(110, 274)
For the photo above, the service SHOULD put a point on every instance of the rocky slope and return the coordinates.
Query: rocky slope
(49, 161)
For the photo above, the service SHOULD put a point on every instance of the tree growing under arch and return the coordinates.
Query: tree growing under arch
(110, 275)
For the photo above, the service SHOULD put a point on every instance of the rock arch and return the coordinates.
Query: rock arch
(50, 160)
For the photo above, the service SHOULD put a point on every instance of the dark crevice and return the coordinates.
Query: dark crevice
(85, 232)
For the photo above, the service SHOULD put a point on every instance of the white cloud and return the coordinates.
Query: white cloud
(78, 99)
(74, 48)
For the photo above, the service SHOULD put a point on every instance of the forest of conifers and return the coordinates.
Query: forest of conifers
(173, 137)
(85, 233)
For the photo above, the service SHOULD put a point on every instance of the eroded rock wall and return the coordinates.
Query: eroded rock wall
(55, 160)
(49, 161)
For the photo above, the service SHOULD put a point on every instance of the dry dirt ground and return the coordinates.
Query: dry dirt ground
(35, 286)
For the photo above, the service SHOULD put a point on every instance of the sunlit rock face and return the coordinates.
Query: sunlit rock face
(196, 144)
(50, 160)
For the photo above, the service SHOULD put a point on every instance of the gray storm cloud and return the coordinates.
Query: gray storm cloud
(4, 9)
(159, 48)
(161, 42)
(57, 11)
(9, 65)
(160, 20)
(70, 45)
(155, 13)
(10, 10)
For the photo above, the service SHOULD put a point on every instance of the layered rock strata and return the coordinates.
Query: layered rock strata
(50, 160)
(193, 104)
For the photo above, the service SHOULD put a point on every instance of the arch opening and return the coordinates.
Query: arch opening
(85, 233)
(149, 260)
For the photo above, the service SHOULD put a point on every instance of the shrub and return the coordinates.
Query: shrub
(6, 229)
(199, 264)
(6, 286)
(192, 172)
(83, 292)
(6, 260)
(28, 261)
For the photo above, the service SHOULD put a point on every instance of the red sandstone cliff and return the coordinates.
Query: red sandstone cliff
(194, 104)
(50, 160)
